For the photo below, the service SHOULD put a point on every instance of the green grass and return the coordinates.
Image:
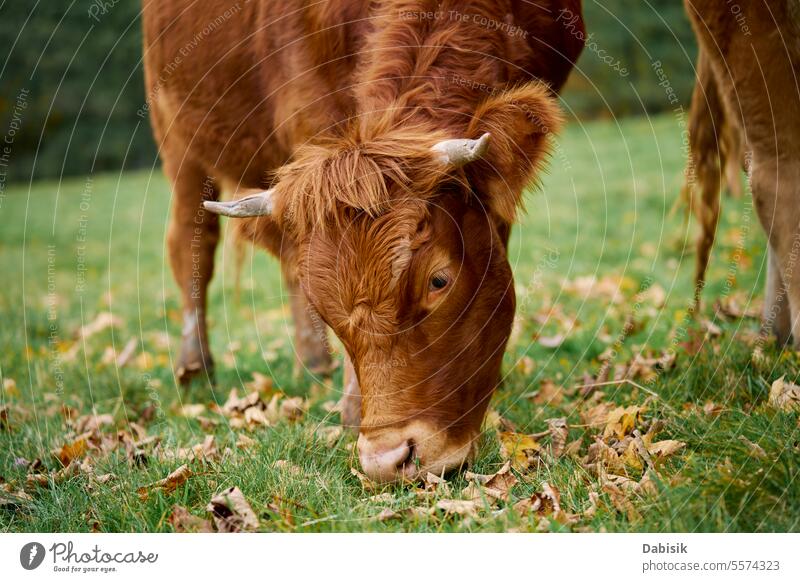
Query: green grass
(604, 212)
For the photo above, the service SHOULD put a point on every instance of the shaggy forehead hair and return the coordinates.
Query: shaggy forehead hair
(376, 163)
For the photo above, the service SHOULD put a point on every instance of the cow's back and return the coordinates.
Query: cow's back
(238, 84)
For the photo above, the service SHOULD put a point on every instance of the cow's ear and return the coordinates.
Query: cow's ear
(520, 122)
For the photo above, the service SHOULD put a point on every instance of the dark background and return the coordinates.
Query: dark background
(84, 78)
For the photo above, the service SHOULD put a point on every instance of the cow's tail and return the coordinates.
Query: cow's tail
(715, 145)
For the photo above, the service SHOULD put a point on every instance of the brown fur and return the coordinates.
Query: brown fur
(715, 157)
(337, 105)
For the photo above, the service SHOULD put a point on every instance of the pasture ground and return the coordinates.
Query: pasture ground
(603, 272)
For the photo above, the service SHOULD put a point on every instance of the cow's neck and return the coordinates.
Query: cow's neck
(437, 59)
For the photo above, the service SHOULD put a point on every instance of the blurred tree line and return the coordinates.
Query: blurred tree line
(71, 78)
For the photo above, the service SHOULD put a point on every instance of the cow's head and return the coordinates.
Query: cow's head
(400, 236)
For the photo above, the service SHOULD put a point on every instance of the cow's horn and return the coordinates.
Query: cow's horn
(457, 152)
(258, 204)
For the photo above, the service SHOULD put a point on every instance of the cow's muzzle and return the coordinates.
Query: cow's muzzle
(409, 453)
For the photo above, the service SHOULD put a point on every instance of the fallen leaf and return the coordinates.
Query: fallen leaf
(366, 483)
(261, 383)
(621, 421)
(754, 449)
(435, 485)
(545, 502)
(521, 449)
(10, 388)
(74, 449)
(191, 410)
(621, 501)
(387, 514)
(551, 341)
(663, 449)
(169, 483)
(712, 409)
(549, 393)
(494, 486)
(244, 442)
(183, 521)
(127, 353)
(330, 434)
(559, 433)
(231, 512)
(784, 395)
(604, 456)
(103, 321)
(461, 507)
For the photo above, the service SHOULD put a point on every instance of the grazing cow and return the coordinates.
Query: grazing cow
(753, 52)
(380, 150)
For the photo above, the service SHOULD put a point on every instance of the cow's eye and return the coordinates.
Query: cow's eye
(438, 281)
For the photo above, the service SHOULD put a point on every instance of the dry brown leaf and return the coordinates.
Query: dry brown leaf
(366, 483)
(784, 395)
(754, 449)
(621, 421)
(191, 410)
(596, 415)
(551, 342)
(169, 483)
(494, 486)
(559, 433)
(387, 514)
(74, 449)
(183, 521)
(601, 454)
(621, 501)
(261, 383)
(4, 422)
(10, 388)
(127, 353)
(244, 442)
(231, 512)
(521, 449)
(548, 393)
(433, 484)
(461, 507)
(544, 502)
(103, 321)
(205, 451)
(330, 434)
(664, 449)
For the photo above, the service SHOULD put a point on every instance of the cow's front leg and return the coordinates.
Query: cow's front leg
(192, 239)
(312, 347)
(350, 404)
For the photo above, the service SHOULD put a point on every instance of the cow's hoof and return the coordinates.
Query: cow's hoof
(194, 362)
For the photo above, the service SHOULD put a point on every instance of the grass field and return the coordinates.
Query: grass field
(603, 272)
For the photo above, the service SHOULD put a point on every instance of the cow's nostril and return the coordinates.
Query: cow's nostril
(412, 454)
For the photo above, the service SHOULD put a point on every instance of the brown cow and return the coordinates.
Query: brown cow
(753, 50)
(396, 139)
